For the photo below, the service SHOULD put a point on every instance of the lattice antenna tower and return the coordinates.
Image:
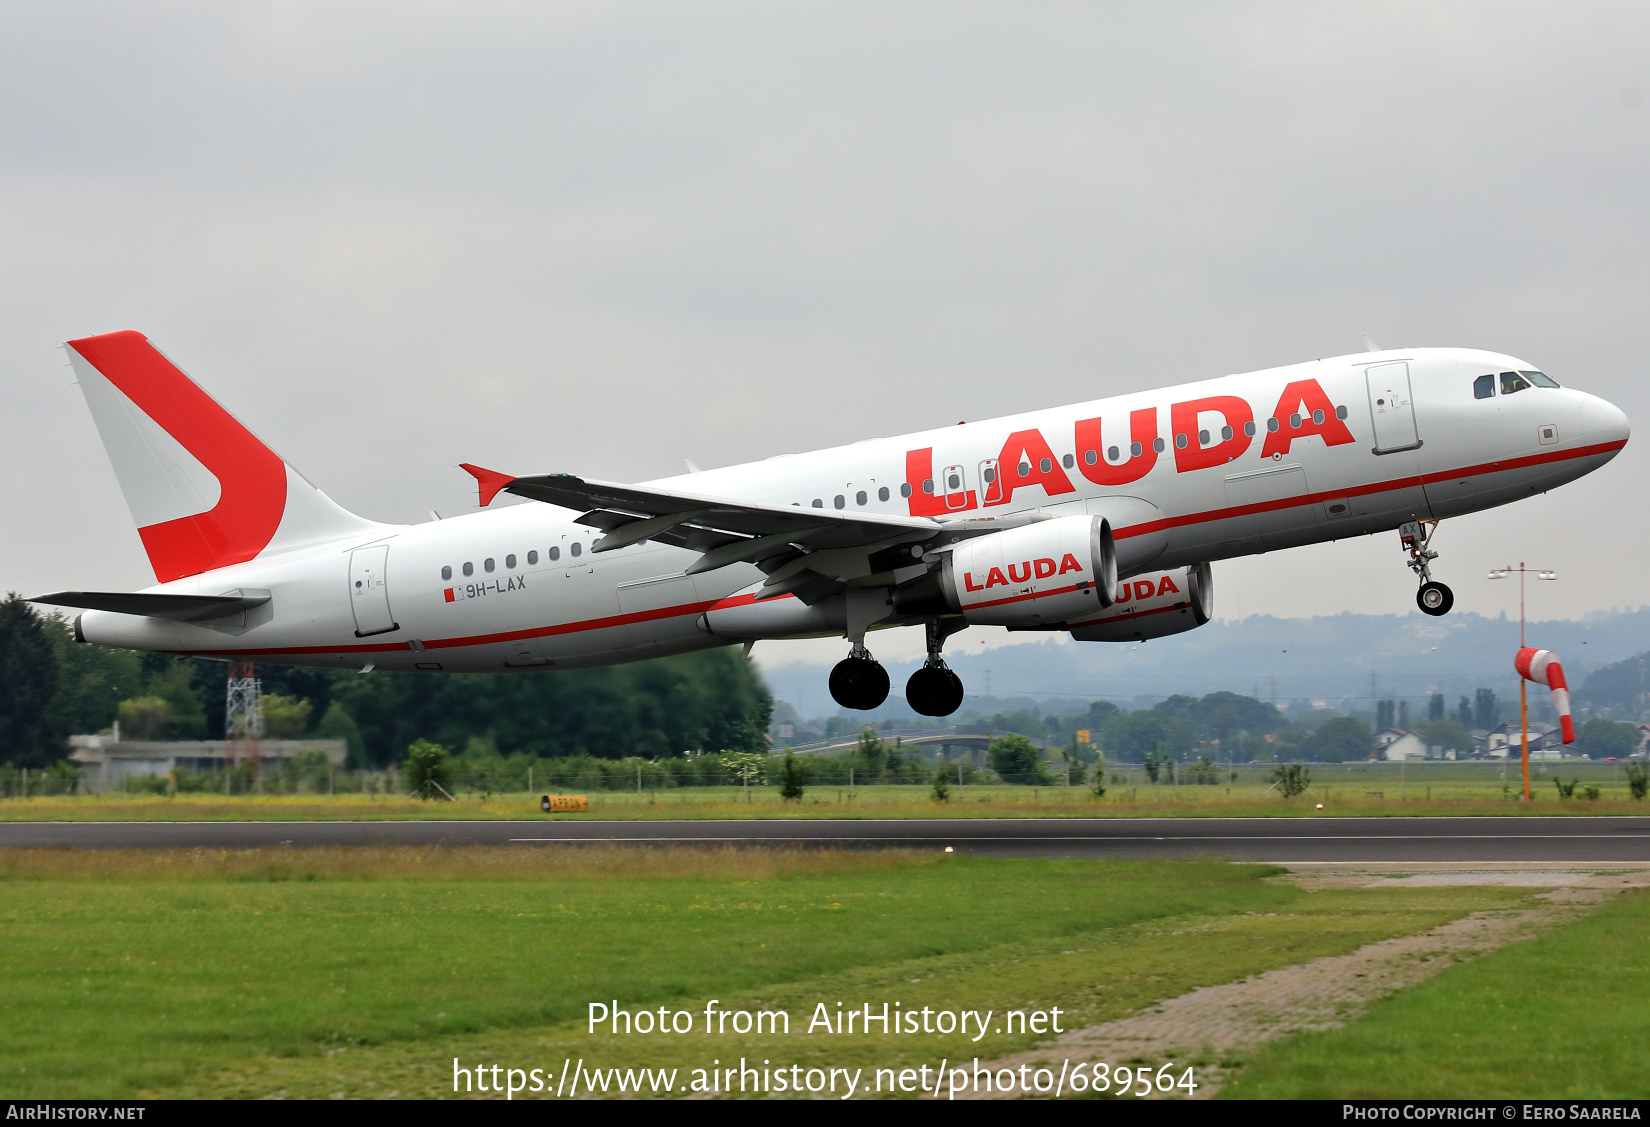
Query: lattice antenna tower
(244, 714)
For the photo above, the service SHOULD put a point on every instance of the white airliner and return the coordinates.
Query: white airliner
(1100, 519)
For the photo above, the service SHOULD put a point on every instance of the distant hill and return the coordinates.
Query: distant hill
(1328, 658)
(1622, 684)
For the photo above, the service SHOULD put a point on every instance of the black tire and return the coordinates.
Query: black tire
(928, 691)
(859, 684)
(954, 702)
(1434, 599)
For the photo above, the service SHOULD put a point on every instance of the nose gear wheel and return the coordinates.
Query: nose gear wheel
(1433, 598)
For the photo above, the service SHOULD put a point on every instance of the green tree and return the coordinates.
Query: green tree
(1342, 738)
(175, 684)
(1015, 760)
(28, 682)
(428, 771)
(1606, 739)
(92, 680)
(870, 756)
(790, 779)
(143, 718)
(1463, 713)
(285, 718)
(1638, 780)
(1447, 734)
(1486, 711)
(1130, 735)
(1292, 779)
(942, 785)
(337, 724)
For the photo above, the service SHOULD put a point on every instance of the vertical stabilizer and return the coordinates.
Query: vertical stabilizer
(203, 490)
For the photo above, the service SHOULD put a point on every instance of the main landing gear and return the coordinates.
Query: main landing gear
(1433, 598)
(859, 680)
(934, 690)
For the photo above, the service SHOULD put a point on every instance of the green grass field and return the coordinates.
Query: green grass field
(1560, 1017)
(1344, 789)
(366, 971)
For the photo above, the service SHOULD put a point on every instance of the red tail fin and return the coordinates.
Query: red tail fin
(204, 491)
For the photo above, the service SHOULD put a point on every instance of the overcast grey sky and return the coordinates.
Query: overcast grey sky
(602, 237)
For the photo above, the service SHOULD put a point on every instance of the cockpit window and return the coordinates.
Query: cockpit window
(1483, 387)
(1540, 379)
(1511, 382)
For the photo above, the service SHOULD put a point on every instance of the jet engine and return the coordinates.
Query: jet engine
(1153, 605)
(1040, 574)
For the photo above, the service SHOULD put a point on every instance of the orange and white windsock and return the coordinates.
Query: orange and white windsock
(1542, 667)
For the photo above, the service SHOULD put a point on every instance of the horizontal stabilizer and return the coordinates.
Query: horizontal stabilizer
(179, 608)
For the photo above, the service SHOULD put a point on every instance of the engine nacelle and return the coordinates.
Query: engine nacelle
(1153, 605)
(1037, 575)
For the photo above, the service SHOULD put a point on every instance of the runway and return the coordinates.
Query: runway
(1579, 840)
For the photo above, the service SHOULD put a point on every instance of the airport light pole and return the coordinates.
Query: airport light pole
(1523, 686)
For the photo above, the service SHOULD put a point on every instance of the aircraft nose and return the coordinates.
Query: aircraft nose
(1607, 428)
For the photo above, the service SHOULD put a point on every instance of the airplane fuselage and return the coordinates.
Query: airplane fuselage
(1198, 472)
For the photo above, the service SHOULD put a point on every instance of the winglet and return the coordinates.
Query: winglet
(488, 482)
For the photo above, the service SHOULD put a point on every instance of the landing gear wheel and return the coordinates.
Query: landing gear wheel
(934, 690)
(1434, 599)
(859, 683)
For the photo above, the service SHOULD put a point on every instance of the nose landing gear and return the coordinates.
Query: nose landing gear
(1433, 598)
(934, 690)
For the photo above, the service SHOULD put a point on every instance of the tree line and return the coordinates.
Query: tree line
(52, 687)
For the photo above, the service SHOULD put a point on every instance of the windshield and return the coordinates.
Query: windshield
(1539, 379)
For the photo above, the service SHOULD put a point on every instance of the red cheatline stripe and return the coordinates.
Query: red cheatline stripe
(515, 635)
(1022, 598)
(1126, 617)
(1362, 490)
(1124, 533)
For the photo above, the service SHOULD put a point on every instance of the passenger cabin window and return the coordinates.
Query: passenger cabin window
(1046, 465)
(818, 504)
(1157, 445)
(487, 565)
(1340, 412)
(446, 573)
(510, 561)
(838, 501)
(882, 494)
(1271, 426)
(1511, 382)
(469, 569)
(1112, 454)
(1249, 429)
(554, 554)
(905, 489)
(928, 485)
(1540, 379)
(575, 548)
(1180, 442)
(860, 498)
(532, 557)
(1090, 457)
(1068, 461)
(1135, 449)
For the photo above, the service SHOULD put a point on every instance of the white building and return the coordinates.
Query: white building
(107, 760)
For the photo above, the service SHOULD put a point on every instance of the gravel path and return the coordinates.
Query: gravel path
(1216, 1021)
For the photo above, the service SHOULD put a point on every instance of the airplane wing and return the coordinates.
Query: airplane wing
(805, 551)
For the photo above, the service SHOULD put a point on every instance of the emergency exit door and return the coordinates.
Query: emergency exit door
(1391, 408)
(369, 594)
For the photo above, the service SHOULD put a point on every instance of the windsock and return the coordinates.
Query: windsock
(1541, 666)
